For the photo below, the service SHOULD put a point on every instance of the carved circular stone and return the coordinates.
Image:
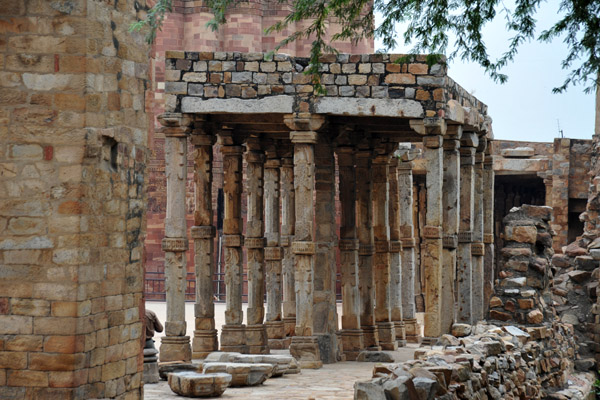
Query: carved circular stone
(193, 384)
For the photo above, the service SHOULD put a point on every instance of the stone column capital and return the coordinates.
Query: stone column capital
(273, 163)
(454, 131)
(304, 137)
(451, 144)
(304, 121)
(433, 141)
(429, 126)
(202, 139)
(232, 150)
(469, 139)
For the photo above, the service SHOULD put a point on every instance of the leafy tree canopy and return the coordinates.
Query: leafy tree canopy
(430, 25)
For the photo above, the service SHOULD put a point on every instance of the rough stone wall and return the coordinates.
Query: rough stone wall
(73, 151)
(522, 292)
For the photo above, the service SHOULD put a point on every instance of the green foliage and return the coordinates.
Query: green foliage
(431, 23)
(154, 19)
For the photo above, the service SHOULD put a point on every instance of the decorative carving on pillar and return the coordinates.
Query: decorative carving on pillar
(451, 216)
(381, 262)
(288, 219)
(254, 241)
(364, 212)
(203, 233)
(488, 226)
(432, 246)
(477, 248)
(406, 154)
(233, 335)
(303, 135)
(352, 336)
(273, 252)
(464, 311)
(175, 345)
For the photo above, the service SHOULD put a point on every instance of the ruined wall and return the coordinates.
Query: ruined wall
(73, 151)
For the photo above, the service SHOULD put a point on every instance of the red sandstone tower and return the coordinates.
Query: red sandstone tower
(185, 29)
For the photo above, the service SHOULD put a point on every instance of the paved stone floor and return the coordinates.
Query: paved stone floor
(333, 381)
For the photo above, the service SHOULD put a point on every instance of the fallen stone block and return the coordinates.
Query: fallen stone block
(193, 384)
(460, 330)
(374, 356)
(165, 368)
(243, 374)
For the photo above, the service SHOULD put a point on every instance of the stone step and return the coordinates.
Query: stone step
(194, 384)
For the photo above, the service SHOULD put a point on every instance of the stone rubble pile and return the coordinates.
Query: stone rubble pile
(522, 292)
(494, 362)
(574, 294)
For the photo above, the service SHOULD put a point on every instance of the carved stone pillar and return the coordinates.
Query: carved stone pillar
(254, 241)
(381, 262)
(304, 346)
(405, 190)
(432, 233)
(395, 255)
(233, 336)
(488, 227)
(352, 336)
(288, 219)
(325, 311)
(451, 209)
(433, 129)
(477, 247)
(464, 312)
(175, 345)
(273, 253)
(366, 247)
(203, 232)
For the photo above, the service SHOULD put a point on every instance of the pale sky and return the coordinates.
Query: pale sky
(524, 108)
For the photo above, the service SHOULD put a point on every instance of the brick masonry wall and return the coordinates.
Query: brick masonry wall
(73, 153)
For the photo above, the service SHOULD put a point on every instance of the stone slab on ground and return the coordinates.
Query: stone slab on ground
(243, 374)
(165, 368)
(284, 364)
(193, 384)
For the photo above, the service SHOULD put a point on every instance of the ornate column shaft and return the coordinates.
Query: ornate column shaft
(273, 253)
(488, 227)
(254, 242)
(325, 310)
(304, 345)
(203, 232)
(288, 220)
(233, 336)
(451, 209)
(352, 337)
(464, 272)
(366, 248)
(395, 254)
(381, 262)
(432, 233)
(477, 247)
(175, 345)
(405, 190)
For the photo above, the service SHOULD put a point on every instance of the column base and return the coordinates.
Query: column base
(175, 348)
(233, 338)
(387, 336)
(204, 343)
(400, 329)
(413, 330)
(370, 338)
(352, 343)
(276, 335)
(289, 326)
(256, 339)
(428, 341)
(305, 349)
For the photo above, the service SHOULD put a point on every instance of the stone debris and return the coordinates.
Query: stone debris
(374, 356)
(193, 384)
(495, 362)
(242, 374)
(283, 364)
(164, 369)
